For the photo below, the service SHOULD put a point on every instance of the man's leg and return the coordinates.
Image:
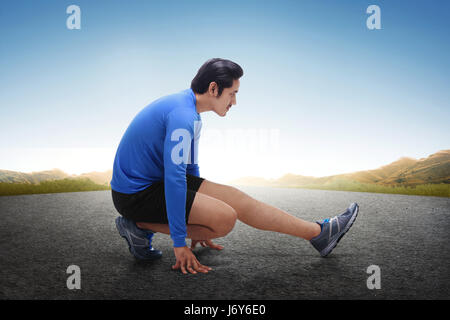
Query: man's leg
(209, 218)
(259, 214)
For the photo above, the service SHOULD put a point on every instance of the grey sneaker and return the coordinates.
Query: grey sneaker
(334, 229)
(139, 240)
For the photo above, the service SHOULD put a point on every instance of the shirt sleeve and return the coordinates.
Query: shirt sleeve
(192, 167)
(177, 144)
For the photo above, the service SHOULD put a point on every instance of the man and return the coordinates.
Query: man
(156, 184)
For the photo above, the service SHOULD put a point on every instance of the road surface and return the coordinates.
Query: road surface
(407, 237)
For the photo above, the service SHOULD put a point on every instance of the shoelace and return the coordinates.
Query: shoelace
(328, 220)
(337, 223)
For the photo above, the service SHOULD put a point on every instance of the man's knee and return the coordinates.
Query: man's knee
(227, 221)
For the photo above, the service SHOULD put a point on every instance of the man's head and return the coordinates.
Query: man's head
(216, 84)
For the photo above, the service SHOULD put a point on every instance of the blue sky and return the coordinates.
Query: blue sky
(340, 97)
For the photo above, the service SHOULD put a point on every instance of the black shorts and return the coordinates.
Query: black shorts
(149, 205)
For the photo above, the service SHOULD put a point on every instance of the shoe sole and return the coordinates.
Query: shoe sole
(334, 243)
(123, 234)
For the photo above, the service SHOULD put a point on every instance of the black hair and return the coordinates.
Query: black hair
(220, 71)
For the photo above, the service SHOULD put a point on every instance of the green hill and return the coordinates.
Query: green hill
(428, 176)
(51, 186)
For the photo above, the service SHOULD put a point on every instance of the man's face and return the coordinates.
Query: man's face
(227, 99)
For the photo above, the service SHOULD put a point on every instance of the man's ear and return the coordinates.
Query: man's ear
(213, 87)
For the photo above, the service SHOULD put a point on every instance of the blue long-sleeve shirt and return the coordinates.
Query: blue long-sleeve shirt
(152, 149)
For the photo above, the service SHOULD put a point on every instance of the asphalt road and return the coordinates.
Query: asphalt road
(406, 236)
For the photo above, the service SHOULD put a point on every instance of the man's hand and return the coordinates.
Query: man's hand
(187, 261)
(205, 243)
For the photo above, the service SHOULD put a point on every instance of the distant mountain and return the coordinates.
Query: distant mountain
(99, 177)
(102, 178)
(34, 177)
(405, 171)
(408, 171)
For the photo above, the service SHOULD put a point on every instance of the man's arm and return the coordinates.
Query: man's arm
(192, 167)
(177, 143)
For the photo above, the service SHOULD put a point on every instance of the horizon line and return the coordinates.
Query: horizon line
(96, 171)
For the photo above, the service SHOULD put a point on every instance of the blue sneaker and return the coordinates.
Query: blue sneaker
(139, 240)
(334, 229)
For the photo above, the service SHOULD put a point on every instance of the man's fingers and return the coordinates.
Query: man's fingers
(206, 243)
(188, 263)
(183, 269)
(199, 267)
(176, 266)
(191, 270)
(192, 267)
(203, 267)
(214, 246)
